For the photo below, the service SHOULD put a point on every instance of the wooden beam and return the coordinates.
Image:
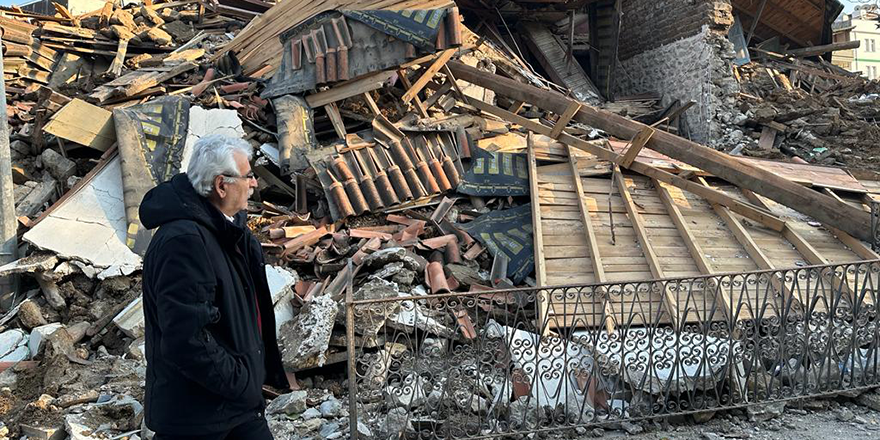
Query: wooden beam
(349, 88)
(694, 248)
(564, 119)
(420, 106)
(751, 248)
(336, 119)
(755, 20)
(590, 235)
(371, 103)
(635, 146)
(825, 48)
(669, 297)
(428, 75)
(745, 209)
(540, 267)
(819, 206)
(115, 68)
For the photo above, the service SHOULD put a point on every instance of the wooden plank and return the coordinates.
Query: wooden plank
(768, 137)
(810, 253)
(564, 119)
(779, 189)
(371, 103)
(748, 243)
(540, 268)
(349, 88)
(115, 68)
(83, 123)
(696, 251)
(669, 298)
(590, 236)
(636, 146)
(428, 75)
(336, 119)
(710, 194)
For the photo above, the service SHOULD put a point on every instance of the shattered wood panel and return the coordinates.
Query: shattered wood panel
(552, 56)
(89, 226)
(85, 124)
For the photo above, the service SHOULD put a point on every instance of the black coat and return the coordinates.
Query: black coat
(204, 281)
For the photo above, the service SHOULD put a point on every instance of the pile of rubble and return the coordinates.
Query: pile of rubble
(815, 112)
(381, 176)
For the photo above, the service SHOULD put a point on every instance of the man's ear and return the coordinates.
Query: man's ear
(219, 186)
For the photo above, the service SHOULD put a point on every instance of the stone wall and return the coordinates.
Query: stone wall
(671, 57)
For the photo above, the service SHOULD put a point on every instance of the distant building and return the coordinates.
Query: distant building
(861, 25)
(75, 7)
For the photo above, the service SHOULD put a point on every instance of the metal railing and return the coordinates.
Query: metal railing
(486, 364)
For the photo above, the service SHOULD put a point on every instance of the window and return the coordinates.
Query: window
(869, 45)
(872, 72)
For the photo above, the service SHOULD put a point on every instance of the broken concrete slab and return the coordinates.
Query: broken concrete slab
(37, 262)
(569, 358)
(131, 319)
(93, 423)
(688, 372)
(383, 257)
(93, 224)
(412, 316)
(39, 334)
(411, 393)
(281, 281)
(306, 338)
(43, 433)
(203, 122)
(369, 320)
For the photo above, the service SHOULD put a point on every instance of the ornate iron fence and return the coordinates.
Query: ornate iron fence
(486, 364)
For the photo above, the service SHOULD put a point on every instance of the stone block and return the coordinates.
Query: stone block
(39, 334)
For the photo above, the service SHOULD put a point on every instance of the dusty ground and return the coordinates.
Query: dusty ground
(836, 419)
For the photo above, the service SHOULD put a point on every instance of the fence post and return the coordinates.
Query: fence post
(352, 365)
(875, 225)
(8, 220)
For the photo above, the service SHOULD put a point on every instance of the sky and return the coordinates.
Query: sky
(847, 3)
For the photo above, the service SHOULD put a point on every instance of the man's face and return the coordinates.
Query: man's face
(234, 196)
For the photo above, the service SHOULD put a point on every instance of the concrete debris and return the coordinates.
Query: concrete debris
(13, 346)
(290, 403)
(39, 334)
(38, 262)
(30, 315)
(305, 339)
(131, 319)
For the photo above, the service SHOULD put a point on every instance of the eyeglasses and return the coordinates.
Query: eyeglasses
(247, 176)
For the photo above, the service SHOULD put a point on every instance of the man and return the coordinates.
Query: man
(210, 326)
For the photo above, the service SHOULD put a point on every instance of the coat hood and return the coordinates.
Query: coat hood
(176, 199)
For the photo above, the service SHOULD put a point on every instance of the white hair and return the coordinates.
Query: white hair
(213, 156)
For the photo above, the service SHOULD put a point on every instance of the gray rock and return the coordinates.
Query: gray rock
(60, 167)
(331, 408)
(764, 412)
(703, 417)
(312, 424)
(364, 430)
(396, 422)
(330, 430)
(844, 415)
(632, 428)
(370, 321)
(409, 394)
(871, 400)
(290, 403)
(311, 413)
(597, 432)
(388, 271)
(523, 416)
(712, 436)
(405, 277)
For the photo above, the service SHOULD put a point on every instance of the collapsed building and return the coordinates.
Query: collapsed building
(480, 219)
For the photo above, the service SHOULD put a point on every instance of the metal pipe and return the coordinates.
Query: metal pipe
(8, 220)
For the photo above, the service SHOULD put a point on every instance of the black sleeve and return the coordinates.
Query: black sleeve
(184, 289)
